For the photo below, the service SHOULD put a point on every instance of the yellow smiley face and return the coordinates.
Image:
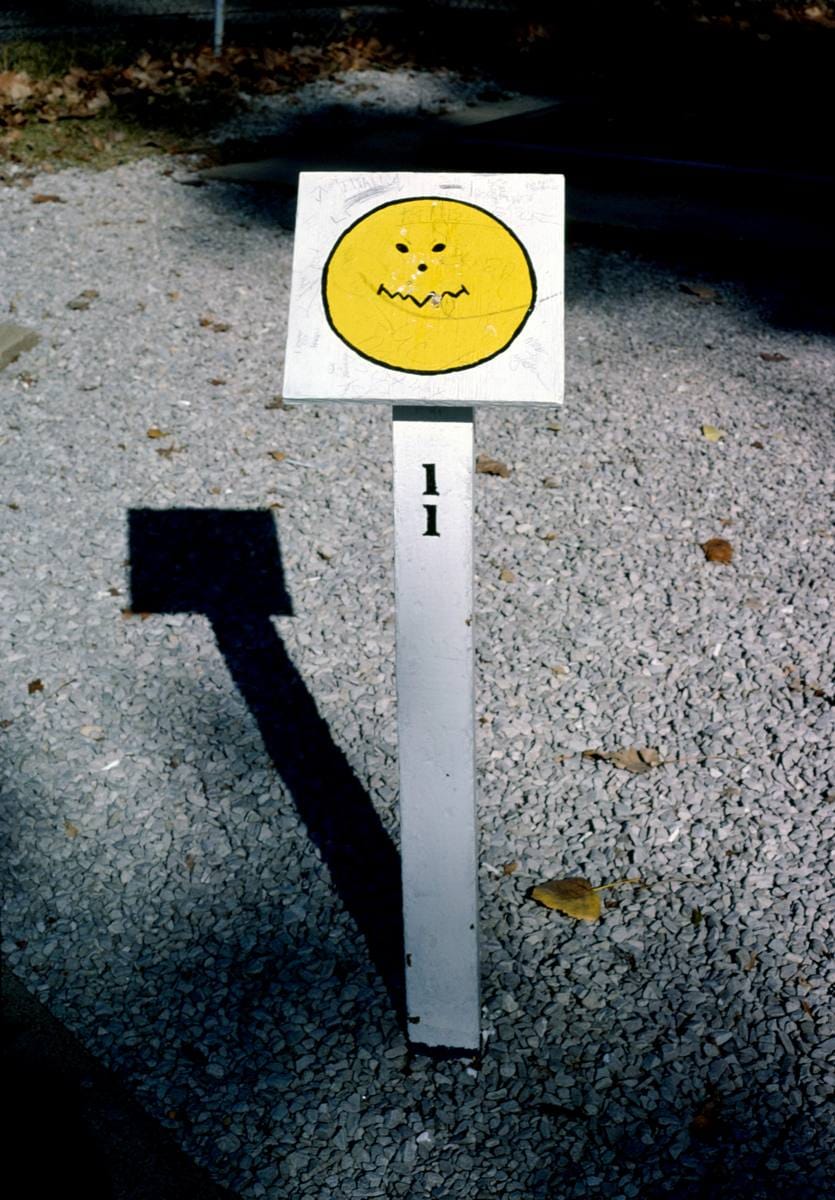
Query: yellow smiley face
(428, 285)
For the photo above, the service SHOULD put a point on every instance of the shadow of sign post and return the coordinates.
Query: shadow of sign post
(226, 565)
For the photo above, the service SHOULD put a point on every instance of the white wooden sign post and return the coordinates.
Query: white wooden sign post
(432, 293)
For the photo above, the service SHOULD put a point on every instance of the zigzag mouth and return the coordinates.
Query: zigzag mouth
(436, 298)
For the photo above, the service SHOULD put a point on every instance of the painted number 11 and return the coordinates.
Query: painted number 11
(431, 510)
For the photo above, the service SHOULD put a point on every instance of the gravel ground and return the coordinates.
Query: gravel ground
(177, 889)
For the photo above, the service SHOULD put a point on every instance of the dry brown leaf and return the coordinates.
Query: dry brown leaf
(15, 86)
(46, 198)
(70, 830)
(509, 868)
(706, 1124)
(34, 685)
(208, 322)
(712, 434)
(169, 451)
(700, 291)
(507, 576)
(217, 382)
(628, 759)
(156, 432)
(485, 465)
(752, 961)
(94, 104)
(718, 550)
(82, 300)
(775, 357)
(550, 536)
(575, 897)
(278, 455)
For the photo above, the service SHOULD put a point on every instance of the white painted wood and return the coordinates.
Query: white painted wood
(480, 282)
(435, 699)
(321, 367)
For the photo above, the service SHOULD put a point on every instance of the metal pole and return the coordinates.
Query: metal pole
(433, 537)
(219, 20)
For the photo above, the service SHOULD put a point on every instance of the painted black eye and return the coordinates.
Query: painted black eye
(438, 247)
(403, 249)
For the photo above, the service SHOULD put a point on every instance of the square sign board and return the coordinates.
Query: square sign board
(435, 289)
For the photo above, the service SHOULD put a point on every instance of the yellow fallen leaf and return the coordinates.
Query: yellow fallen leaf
(575, 897)
(70, 830)
(712, 434)
(507, 576)
(156, 432)
(278, 455)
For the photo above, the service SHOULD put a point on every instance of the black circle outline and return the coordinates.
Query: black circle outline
(410, 370)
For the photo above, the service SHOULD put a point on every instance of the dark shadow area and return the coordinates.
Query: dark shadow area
(692, 133)
(762, 222)
(771, 236)
(71, 1126)
(227, 566)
